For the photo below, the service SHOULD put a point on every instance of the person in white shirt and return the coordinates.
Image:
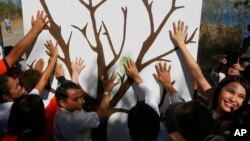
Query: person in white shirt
(144, 118)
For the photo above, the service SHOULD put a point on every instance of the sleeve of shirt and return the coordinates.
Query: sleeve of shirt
(61, 79)
(176, 98)
(34, 91)
(149, 97)
(85, 120)
(138, 93)
(4, 67)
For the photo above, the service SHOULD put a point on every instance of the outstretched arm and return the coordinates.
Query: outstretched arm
(163, 75)
(59, 74)
(52, 51)
(178, 35)
(28, 40)
(39, 65)
(76, 67)
(132, 71)
(102, 111)
(150, 99)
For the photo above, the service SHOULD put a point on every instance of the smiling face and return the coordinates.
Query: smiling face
(231, 97)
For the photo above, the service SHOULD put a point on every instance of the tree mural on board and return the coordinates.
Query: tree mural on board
(98, 48)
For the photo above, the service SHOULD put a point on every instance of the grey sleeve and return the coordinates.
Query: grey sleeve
(85, 120)
(176, 98)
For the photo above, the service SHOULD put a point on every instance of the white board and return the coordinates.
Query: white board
(73, 15)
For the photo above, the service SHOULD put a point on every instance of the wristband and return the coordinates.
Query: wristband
(106, 93)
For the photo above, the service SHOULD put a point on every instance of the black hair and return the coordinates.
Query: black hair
(246, 73)
(143, 122)
(4, 90)
(27, 115)
(61, 91)
(7, 50)
(29, 79)
(227, 80)
(192, 119)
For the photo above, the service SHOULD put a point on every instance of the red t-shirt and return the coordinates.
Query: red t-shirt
(50, 112)
(3, 67)
(8, 137)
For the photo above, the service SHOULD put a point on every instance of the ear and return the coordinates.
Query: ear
(62, 103)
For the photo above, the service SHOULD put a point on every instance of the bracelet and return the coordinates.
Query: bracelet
(106, 93)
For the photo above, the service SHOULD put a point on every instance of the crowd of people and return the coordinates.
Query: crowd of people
(214, 113)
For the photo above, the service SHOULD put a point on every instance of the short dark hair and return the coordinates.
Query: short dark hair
(7, 50)
(27, 113)
(61, 91)
(143, 122)
(29, 79)
(193, 120)
(4, 90)
(227, 80)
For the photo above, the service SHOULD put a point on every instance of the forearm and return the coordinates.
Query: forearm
(194, 67)
(138, 80)
(19, 49)
(74, 77)
(102, 111)
(105, 102)
(170, 88)
(46, 74)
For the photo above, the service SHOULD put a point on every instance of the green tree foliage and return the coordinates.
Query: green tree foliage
(10, 8)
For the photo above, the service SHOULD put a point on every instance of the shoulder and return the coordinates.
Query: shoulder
(34, 91)
(5, 108)
(3, 66)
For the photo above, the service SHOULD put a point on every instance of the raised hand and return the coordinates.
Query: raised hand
(223, 61)
(52, 49)
(59, 70)
(179, 33)
(76, 67)
(109, 85)
(39, 65)
(178, 36)
(132, 71)
(40, 22)
(163, 73)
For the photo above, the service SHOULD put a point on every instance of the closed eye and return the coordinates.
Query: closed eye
(242, 96)
(230, 91)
